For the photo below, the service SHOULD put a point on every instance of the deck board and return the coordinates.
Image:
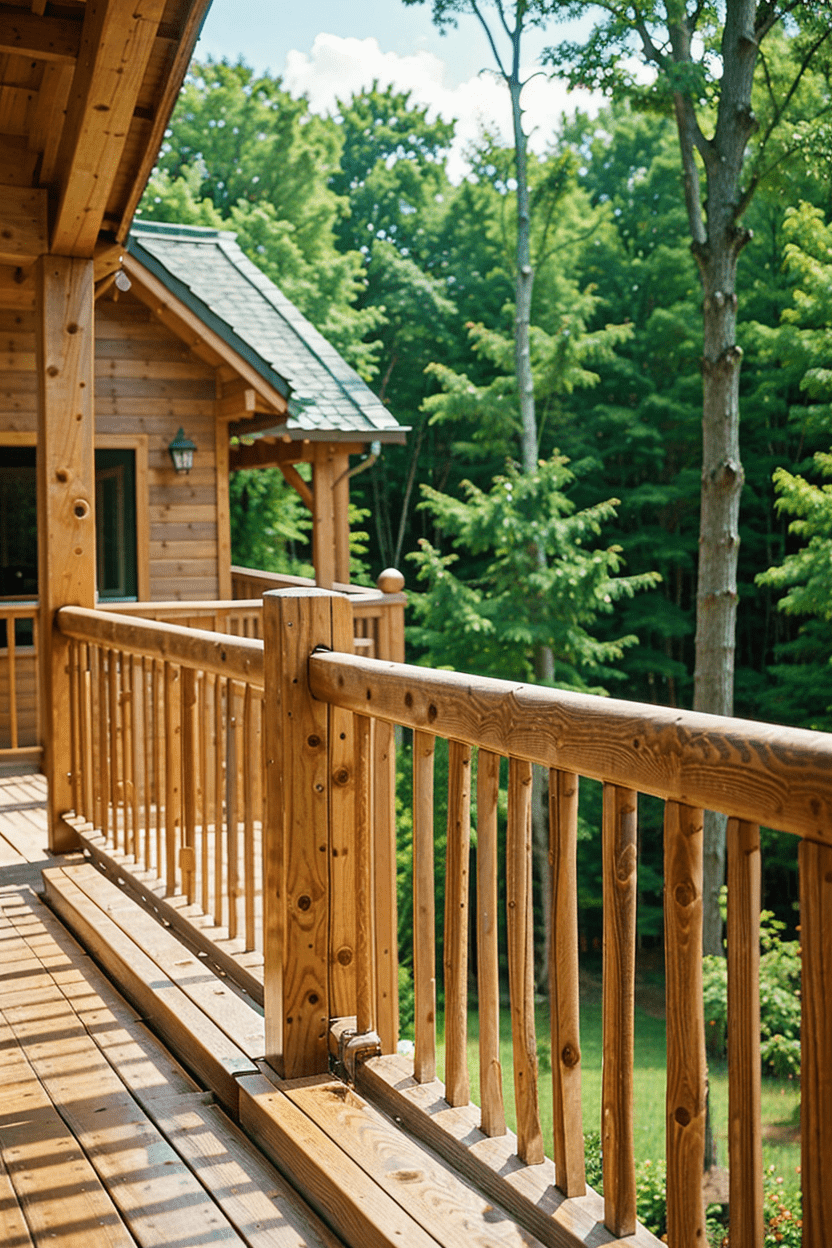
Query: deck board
(104, 1138)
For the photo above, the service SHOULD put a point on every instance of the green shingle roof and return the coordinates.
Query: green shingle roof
(208, 271)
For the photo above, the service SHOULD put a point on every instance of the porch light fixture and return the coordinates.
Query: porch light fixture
(182, 452)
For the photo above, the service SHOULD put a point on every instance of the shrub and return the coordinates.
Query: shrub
(779, 1001)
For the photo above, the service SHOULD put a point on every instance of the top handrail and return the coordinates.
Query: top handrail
(240, 658)
(765, 774)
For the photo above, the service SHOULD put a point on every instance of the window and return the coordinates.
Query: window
(115, 523)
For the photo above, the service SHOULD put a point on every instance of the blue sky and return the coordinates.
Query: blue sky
(331, 48)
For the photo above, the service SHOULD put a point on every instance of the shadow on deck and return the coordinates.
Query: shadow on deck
(152, 1118)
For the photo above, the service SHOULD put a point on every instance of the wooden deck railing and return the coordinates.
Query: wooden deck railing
(378, 614)
(318, 699)
(19, 733)
(158, 708)
(167, 755)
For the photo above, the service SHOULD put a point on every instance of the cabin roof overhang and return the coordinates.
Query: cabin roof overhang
(86, 92)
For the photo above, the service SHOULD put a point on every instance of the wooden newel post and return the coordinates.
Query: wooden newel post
(297, 836)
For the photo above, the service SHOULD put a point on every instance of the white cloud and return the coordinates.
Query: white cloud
(337, 67)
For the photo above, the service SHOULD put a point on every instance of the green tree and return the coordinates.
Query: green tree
(702, 61)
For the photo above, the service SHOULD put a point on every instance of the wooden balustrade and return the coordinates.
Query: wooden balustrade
(755, 773)
(19, 729)
(167, 726)
(167, 739)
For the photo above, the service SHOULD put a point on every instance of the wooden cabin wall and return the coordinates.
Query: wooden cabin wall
(147, 384)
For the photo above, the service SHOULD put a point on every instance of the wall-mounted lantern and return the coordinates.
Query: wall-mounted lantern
(182, 452)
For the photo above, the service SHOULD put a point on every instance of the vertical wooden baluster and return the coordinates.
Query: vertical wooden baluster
(219, 789)
(36, 648)
(521, 960)
(745, 1148)
(619, 891)
(231, 756)
(135, 747)
(11, 650)
(173, 773)
(424, 905)
(686, 1066)
(251, 765)
(567, 1117)
(103, 741)
(384, 864)
(147, 765)
(816, 1040)
(87, 749)
(128, 788)
(112, 699)
(457, 1090)
(190, 730)
(366, 987)
(74, 724)
(493, 1120)
(159, 776)
(204, 807)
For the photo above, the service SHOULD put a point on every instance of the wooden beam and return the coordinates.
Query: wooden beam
(177, 57)
(17, 161)
(297, 482)
(41, 38)
(23, 224)
(48, 117)
(66, 502)
(236, 400)
(116, 44)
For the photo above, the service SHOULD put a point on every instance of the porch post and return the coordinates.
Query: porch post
(66, 502)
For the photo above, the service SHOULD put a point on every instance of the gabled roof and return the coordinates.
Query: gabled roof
(208, 271)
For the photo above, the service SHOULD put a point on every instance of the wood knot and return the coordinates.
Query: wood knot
(685, 893)
(682, 1116)
(304, 902)
(313, 742)
(570, 1056)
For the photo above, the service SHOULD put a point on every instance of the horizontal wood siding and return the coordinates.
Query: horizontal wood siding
(147, 382)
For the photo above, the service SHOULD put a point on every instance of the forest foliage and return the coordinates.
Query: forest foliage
(412, 278)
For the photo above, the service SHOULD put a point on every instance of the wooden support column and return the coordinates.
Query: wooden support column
(223, 515)
(297, 835)
(66, 502)
(341, 514)
(323, 516)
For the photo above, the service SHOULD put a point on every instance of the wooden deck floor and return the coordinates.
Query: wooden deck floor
(104, 1137)
(107, 1139)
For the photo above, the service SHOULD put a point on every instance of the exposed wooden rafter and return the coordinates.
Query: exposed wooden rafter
(41, 38)
(116, 44)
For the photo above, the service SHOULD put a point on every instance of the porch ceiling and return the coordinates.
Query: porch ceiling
(86, 90)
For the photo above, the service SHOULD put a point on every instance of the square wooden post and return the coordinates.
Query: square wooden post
(66, 502)
(297, 838)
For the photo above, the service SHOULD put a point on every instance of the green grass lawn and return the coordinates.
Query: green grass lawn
(780, 1098)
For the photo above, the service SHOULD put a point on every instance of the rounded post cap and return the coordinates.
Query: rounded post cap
(390, 581)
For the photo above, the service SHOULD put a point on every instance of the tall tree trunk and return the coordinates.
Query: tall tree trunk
(716, 244)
